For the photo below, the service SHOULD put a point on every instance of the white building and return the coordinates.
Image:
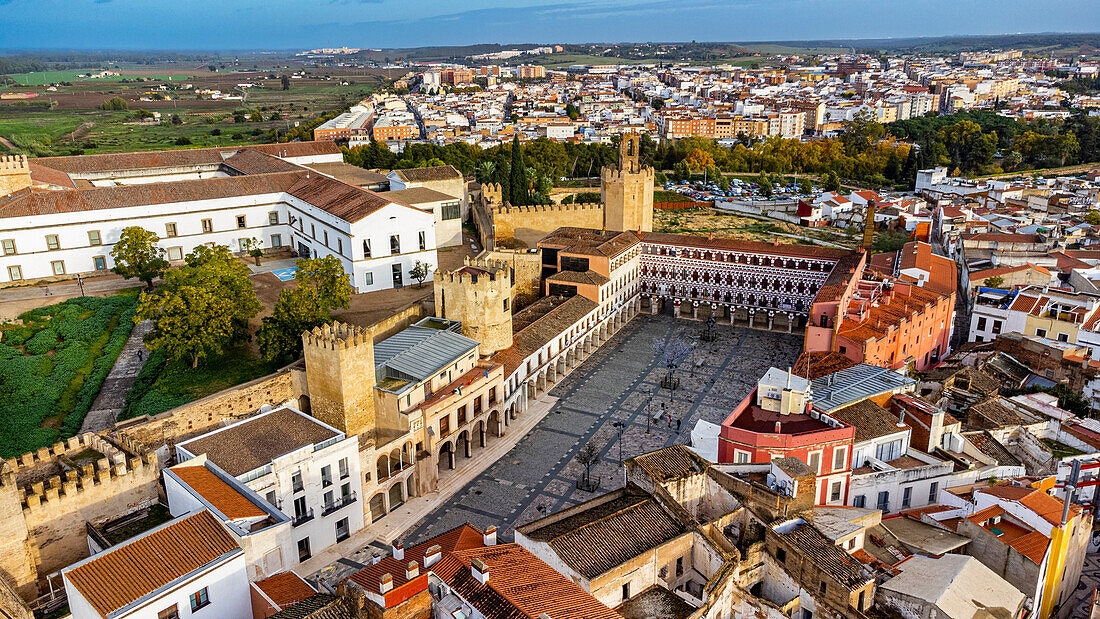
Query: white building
(68, 221)
(307, 469)
(189, 567)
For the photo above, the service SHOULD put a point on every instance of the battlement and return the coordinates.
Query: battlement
(612, 173)
(548, 208)
(492, 193)
(14, 164)
(47, 478)
(336, 335)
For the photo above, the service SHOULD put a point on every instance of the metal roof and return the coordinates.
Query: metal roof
(858, 382)
(420, 352)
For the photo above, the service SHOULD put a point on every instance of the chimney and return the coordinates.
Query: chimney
(398, 551)
(490, 537)
(412, 570)
(432, 555)
(778, 428)
(375, 558)
(385, 583)
(480, 571)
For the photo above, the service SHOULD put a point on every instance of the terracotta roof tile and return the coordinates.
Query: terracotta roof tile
(870, 420)
(285, 589)
(125, 573)
(668, 463)
(221, 495)
(463, 537)
(79, 164)
(434, 173)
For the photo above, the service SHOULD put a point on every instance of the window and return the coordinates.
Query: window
(325, 232)
(175, 253)
(172, 612)
(1041, 332)
(240, 221)
(815, 462)
(888, 451)
(444, 425)
(169, 230)
(368, 279)
(834, 491)
(345, 491)
(93, 238)
(996, 326)
(396, 274)
(742, 457)
(450, 210)
(859, 501)
(52, 242)
(58, 267)
(395, 244)
(199, 599)
(15, 273)
(303, 549)
(823, 587)
(422, 240)
(366, 248)
(9, 246)
(906, 496)
(340, 246)
(276, 240)
(342, 466)
(840, 457)
(781, 555)
(296, 481)
(273, 217)
(932, 490)
(883, 501)
(843, 350)
(1063, 337)
(300, 510)
(626, 591)
(862, 600)
(270, 497)
(461, 414)
(207, 225)
(100, 263)
(326, 475)
(343, 531)
(326, 499)
(679, 566)
(981, 323)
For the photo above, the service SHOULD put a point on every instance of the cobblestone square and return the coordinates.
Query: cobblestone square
(618, 383)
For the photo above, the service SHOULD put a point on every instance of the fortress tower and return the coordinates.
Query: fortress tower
(340, 377)
(15, 174)
(479, 295)
(627, 191)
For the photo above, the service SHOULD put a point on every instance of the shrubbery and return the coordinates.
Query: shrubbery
(52, 367)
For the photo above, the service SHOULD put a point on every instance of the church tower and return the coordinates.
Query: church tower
(627, 190)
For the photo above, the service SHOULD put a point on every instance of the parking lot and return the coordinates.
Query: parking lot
(619, 383)
(738, 189)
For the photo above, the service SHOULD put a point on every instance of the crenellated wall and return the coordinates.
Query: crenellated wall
(528, 224)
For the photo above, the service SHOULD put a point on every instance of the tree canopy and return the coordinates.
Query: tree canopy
(322, 287)
(137, 256)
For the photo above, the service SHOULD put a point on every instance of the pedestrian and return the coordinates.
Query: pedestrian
(47, 289)
(141, 355)
(677, 425)
(670, 421)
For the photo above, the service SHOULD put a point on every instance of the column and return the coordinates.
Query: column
(653, 301)
(466, 447)
(771, 319)
(451, 459)
(733, 313)
(676, 308)
(790, 323)
(695, 310)
(481, 432)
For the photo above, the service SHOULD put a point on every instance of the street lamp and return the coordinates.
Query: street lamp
(620, 426)
(80, 282)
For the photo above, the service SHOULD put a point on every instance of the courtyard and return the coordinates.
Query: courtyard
(620, 383)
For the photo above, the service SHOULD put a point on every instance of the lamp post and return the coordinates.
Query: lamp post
(80, 282)
(620, 426)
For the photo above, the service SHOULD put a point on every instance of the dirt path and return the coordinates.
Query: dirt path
(6, 143)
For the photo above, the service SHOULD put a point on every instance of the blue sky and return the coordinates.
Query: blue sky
(291, 24)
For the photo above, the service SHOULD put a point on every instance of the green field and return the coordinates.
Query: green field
(49, 77)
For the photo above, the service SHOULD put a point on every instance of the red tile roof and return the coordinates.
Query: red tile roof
(127, 572)
(520, 586)
(462, 537)
(221, 495)
(285, 589)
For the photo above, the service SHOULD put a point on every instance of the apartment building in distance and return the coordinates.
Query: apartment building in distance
(355, 122)
(74, 209)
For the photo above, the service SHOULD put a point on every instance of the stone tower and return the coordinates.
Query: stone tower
(15, 174)
(479, 295)
(627, 190)
(340, 377)
(868, 227)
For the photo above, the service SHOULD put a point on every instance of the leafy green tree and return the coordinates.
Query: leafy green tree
(681, 171)
(519, 184)
(994, 282)
(547, 156)
(967, 146)
(285, 81)
(764, 184)
(889, 241)
(1092, 218)
(485, 172)
(572, 111)
(114, 104)
(137, 256)
(861, 133)
(182, 141)
(830, 181)
(202, 308)
(805, 186)
(322, 287)
(256, 116)
(419, 272)
(252, 247)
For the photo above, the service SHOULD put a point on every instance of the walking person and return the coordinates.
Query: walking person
(47, 291)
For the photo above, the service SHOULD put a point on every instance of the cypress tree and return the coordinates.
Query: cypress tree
(520, 191)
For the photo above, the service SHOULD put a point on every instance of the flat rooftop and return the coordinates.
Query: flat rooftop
(255, 442)
(755, 419)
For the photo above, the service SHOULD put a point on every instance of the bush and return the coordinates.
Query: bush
(182, 141)
(53, 367)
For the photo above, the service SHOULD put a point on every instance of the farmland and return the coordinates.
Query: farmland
(52, 365)
(42, 78)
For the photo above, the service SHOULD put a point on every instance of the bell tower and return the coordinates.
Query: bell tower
(627, 189)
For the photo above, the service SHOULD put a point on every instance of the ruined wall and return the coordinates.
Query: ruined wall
(527, 268)
(528, 224)
(58, 489)
(187, 421)
(399, 320)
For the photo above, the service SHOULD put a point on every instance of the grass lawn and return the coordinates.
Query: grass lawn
(164, 384)
(705, 222)
(41, 78)
(52, 366)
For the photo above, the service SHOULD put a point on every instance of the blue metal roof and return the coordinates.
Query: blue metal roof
(856, 383)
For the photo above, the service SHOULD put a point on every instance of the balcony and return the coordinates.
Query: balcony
(337, 504)
(300, 519)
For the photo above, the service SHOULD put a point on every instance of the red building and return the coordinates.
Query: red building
(778, 420)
